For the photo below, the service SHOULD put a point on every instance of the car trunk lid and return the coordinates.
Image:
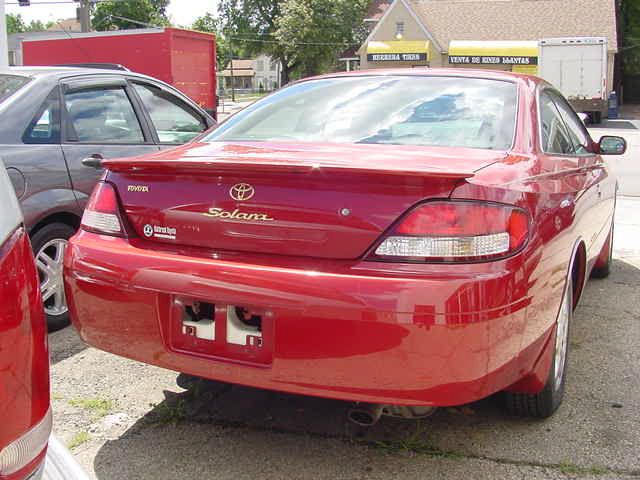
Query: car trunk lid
(312, 200)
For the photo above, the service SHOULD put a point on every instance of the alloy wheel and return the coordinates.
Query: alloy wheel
(49, 261)
(562, 337)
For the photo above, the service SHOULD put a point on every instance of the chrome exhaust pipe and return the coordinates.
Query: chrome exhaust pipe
(365, 414)
(368, 414)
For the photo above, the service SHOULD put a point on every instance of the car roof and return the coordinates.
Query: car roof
(66, 72)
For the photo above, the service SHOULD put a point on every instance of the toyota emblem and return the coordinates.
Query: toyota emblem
(242, 192)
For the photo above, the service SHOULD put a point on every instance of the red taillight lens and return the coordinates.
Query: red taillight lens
(102, 214)
(457, 231)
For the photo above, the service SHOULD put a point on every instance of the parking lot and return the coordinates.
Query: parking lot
(126, 420)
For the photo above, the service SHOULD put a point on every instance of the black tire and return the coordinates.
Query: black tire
(546, 402)
(39, 239)
(186, 381)
(605, 270)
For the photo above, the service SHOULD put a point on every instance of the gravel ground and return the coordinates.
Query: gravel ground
(126, 420)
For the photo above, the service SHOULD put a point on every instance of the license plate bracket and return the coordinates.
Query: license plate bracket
(224, 332)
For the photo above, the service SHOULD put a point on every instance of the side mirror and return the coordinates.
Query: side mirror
(609, 145)
(585, 118)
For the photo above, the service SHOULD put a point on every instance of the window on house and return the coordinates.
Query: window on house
(399, 29)
(260, 66)
(272, 66)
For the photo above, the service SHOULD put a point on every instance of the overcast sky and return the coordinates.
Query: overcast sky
(182, 12)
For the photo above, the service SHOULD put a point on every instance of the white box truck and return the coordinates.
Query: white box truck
(577, 66)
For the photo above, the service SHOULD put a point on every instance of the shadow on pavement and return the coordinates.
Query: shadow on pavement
(173, 430)
(64, 343)
(212, 427)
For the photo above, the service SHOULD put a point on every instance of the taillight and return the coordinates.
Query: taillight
(21, 452)
(102, 213)
(456, 231)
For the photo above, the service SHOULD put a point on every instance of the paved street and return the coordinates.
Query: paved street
(126, 420)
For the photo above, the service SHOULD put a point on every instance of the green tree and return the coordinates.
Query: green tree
(249, 27)
(630, 29)
(210, 24)
(313, 32)
(38, 26)
(15, 23)
(111, 14)
(304, 35)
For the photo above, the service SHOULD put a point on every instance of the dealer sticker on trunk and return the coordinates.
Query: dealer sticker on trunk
(157, 231)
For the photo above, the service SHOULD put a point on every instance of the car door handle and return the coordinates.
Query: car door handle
(94, 161)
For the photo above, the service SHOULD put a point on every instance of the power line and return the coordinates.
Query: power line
(260, 40)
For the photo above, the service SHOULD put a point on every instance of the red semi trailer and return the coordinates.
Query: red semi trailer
(182, 58)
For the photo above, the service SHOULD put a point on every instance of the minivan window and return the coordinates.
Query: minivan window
(10, 84)
(400, 110)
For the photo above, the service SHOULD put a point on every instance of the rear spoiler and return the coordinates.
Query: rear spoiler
(277, 167)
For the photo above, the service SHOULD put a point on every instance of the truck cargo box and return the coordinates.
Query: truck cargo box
(182, 58)
(577, 66)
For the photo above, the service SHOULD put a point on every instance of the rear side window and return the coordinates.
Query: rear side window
(174, 121)
(45, 126)
(103, 115)
(10, 84)
(575, 127)
(555, 137)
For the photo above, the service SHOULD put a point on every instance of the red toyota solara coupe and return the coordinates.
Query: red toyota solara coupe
(401, 239)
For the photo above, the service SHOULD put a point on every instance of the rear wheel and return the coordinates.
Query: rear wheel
(49, 244)
(546, 402)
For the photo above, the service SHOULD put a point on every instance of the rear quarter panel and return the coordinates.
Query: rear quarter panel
(565, 210)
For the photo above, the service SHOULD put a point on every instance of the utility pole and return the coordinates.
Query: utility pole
(83, 16)
(4, 48)
(233, 81)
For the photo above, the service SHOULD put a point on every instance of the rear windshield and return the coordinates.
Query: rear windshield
(399, 110)
(10, 84)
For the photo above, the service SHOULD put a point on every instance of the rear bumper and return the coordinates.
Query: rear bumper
(355, 333)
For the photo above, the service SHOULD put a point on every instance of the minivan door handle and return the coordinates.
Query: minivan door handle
(94, 161)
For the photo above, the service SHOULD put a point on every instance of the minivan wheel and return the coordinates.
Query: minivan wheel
(546, 402)
(49, 244)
